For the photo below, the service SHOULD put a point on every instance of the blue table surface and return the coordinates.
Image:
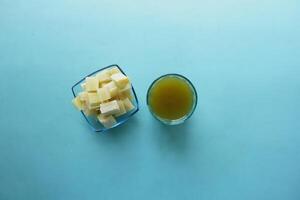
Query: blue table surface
(243, 141)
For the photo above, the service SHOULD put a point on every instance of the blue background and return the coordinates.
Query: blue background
(241, 143)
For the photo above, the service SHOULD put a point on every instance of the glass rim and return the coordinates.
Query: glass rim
(185, 117)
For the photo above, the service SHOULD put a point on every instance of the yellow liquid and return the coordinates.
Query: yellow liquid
(171, 98)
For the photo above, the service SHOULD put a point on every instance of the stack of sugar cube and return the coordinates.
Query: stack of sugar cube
(106, 95)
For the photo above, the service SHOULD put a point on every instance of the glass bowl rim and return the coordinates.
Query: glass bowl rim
(118, 122)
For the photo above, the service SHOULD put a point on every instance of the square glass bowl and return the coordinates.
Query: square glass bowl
(92, 120)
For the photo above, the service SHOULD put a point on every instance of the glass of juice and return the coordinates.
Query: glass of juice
(172, 99)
